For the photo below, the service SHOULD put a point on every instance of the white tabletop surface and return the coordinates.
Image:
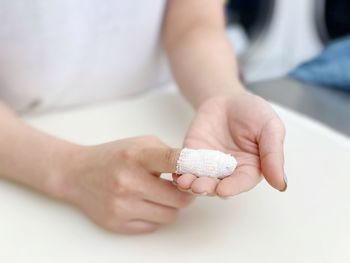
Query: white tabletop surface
(308, 223)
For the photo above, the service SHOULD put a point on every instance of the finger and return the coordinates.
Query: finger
(185, 181)
(155, 213)
(243, 179)
(163, 192)
(271, 154)
(159, 159)
(204, 185)
(138, 227)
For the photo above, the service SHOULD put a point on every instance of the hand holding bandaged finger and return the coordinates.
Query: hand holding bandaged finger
(118, 184)
(246, 127)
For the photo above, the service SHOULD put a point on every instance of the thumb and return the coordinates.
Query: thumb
(271, 154)
(159, 159)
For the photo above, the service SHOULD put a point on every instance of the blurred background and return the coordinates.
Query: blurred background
(296, 53)
(273, 36)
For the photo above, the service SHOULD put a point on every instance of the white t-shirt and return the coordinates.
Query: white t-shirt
(63, 52)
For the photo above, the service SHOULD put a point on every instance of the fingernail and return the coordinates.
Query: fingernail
(204, 193)
(285, 179)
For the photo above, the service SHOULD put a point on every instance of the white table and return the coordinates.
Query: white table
(308, 223)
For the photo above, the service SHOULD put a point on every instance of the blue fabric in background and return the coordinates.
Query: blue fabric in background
(331, 68)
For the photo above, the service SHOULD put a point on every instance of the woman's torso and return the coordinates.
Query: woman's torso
(65, 52)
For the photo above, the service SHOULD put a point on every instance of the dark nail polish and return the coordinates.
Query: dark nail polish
(285, 182)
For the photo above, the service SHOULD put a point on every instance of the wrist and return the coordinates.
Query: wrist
(234, 90)
(64, 162)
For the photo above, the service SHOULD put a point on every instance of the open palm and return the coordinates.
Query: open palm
(246, 127)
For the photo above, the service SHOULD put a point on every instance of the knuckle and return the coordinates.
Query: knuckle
(115, 216)
(128, 154)
(113, 227)
(122, 185)
(111, 223)
(223, 192)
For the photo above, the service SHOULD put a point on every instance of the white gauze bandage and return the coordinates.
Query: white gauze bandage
(205, 163)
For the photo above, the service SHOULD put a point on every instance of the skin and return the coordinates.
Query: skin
(254, 136)
(117, 184)
(228, 118)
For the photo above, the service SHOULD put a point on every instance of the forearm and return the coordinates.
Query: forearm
(30, 157)
(203, 63)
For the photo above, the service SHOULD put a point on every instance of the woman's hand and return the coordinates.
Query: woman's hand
(247, 127)
(205, 68)
(118, 185)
